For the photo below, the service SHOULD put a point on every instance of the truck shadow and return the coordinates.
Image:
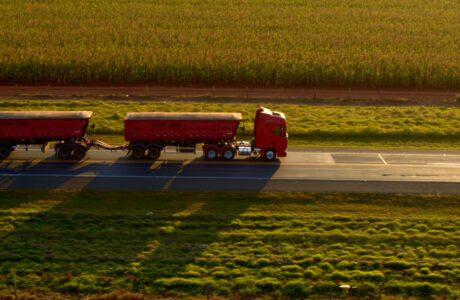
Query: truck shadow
(46, 175)
(242, 175)
(193, 175)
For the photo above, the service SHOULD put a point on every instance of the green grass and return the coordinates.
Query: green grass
(338, 126)
(372, 43)
(236, 245)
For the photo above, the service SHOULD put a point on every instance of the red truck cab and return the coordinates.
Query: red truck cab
(270, 133)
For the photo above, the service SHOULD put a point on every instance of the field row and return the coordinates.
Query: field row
(227, 244)
(292, 43)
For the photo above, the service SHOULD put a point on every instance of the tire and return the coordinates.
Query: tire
(211, 154)
(64, 151)
(270, 155)
(138, 152)
(79, 151)
(4, 151)
(154, 153)
(228, 154)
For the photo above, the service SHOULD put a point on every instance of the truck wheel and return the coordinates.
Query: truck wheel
(4, 152)
(154, 153)
(211, 154)
(138, 152)
(64, 151)
(79, 151)
(269, 155)
(228, 154)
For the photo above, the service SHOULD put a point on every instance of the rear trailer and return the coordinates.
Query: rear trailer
(39, 128)
(149, 133)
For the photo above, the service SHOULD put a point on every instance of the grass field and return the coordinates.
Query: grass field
(381, 43)
(338, 126)
(236, 245)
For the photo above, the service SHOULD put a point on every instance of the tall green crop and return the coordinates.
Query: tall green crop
(389, 43)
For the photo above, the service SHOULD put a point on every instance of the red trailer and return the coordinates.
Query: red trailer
(149, 133)
(67, 128)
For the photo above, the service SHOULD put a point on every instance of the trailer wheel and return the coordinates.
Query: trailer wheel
(138, 152)
(64, 151)
(211, 154)
(4, 151)
(228, 154)
(269, 155)
(79, 151)
(154, 153)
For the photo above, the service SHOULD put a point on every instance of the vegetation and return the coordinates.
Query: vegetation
(385, 43)
(417, 127)
(236, 245)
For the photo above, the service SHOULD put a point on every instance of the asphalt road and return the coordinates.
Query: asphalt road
(303, 170)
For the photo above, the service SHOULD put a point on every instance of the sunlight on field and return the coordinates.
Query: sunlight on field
(387, 43)
(231, 245)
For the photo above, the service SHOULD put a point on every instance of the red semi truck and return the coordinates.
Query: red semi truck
(148, 133)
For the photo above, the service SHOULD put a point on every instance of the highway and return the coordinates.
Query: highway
(318, 170)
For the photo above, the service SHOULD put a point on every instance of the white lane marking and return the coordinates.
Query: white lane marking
(383, 159)
(213, 177)
(444, 164)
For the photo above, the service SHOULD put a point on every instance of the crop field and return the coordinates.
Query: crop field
(370, 43)
(235, 245)
(352, 126)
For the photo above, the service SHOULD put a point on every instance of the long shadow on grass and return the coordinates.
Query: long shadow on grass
(15, 208)
(97, 241)
(189, 234)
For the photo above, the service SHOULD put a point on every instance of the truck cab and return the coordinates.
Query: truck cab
(270, 133)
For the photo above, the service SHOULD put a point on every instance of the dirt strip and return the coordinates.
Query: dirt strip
(238, 94)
